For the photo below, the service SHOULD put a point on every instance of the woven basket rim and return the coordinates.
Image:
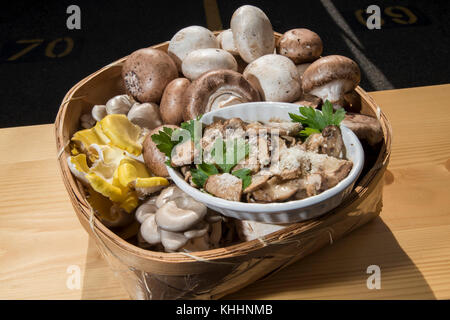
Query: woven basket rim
(79, 202)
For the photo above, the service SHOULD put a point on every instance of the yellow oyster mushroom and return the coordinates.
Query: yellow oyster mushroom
(122, 133)
(84, 138)
(146, 186)
(78, 166)
(107, 154)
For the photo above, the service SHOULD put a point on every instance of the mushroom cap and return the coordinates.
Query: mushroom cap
(180, 214)
(171, 106)
(189, 39)
(275, 77)
(149, 230)
(201, 95)
(169, 194)
(203, 60)
(120, 104)
(300, 45)
(155, 159)
(99, 112)
(145, 115)
(146, 209)
(252, 33)
(330, 68)
(146, 72)
(226, 41)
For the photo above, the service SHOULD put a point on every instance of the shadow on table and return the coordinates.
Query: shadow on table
(318, 276)
(322, 275)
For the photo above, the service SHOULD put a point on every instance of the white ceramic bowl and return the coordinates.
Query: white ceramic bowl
(282, 212)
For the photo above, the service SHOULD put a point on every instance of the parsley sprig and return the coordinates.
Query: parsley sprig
(204, 170)
(165, 143)
(315, 121)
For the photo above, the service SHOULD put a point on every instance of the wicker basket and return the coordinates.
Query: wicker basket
(214, 273)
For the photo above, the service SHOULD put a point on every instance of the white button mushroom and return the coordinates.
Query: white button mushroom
(252, 33)
(203, 60)
(145, 115)
(275, 77)
(330, 77)
(98, 112)
(119, 104)
(226, 41)
(189, 39)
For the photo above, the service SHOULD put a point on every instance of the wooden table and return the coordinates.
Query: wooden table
(40, 236)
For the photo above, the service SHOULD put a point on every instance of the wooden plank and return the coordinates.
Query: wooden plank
(41, 236)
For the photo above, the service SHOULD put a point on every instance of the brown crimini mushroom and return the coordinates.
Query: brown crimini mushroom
(146, 72)
(171, 106)
(217, 89)
(330, 77)
(300, 45)
(155, 159)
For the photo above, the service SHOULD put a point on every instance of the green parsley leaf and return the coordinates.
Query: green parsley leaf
(199, 177)
(163, 141)
(245, 175)
(222, 159)
(315, 121)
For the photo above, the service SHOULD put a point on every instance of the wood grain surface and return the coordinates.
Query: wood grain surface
(40, 236)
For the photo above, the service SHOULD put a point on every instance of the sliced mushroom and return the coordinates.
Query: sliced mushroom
(180, 214)
(258, 180)
(146, 73)
(275, 190)
(328, 142)
(275, 77)
(189, 39)
(155, 159)
(330, 77)
(365, 127)
(203, 60)
(300, 45)
(171, 106)
(252, 33)
(214, 90)
(183, 154)
(145, 115)
(225, 186)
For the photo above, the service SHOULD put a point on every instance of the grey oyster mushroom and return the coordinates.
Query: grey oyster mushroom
(189, 39)
(118, 217)
(145, 115)
(87, 121)
(300, 45)
(275, 77)
(178, 222)
(98, 112)
(203, 60)
(120, 104)
(330, 77)
(252, 33)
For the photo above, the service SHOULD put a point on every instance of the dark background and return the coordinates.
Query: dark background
(408, 51)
